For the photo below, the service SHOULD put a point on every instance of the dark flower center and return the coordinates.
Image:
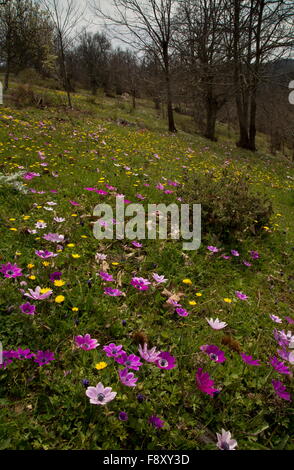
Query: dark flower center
(225, 446)
(163, 363)
(100, 397)
(214, 357)
(128, 363)
(113, 351)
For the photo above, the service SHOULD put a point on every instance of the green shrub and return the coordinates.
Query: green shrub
(26, 95)
(229, 208)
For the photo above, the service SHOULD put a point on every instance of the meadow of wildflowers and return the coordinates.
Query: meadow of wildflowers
(117, 344)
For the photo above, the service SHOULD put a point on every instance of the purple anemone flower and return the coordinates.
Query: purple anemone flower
(214, 353)
(54, 237)
(28, 309)
(205, 383)
(250, 361)
(281, 390)
(150, 355)
(112, 292)
(166, 361)
(127, 378)
(235, 253)
(213, 249)
(225, 441)
(106, 276)
(279, 366)
(10, 270)
(56, 276)
(254, 254)
(112, 350)
(156, 422)
(140, 283)
(44, 357)
(131, 362)
(182, 312)
(44, 254)
(86, 342)
(240, 295)
(123, 416)
(36, 294)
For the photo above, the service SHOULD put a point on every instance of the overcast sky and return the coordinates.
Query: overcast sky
(96, 24)
(91, 21)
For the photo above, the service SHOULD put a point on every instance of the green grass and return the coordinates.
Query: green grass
(46, 407)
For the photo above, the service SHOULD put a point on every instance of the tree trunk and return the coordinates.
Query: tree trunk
(170, 113)
(134, 98)
(211, 113)
(252, 125)
(210, 124)
(7, 74)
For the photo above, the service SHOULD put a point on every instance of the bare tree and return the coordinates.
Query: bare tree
(147, 25)
(92, 52)
(201, 45)
(65, 15)
(261, 30)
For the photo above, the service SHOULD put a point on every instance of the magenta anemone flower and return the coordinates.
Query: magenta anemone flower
(166, 361)
(112, 292)
(279, 366)
(28, 308)
(281, 390)
(106, 277)
(205, 383)
(24, 354)
(86, 342)
(100, 395)
(250, 361)
(246, 263)
(140, 283)
(225, 441)
(214, 353)
(235, 253)
(10, 270)
(225, 257)
(127, 378)
(131, 362)
(112, 350)
(44, 357)
(254, 254)
(213, 249)
(156, 422)
(150, 355)
(240, 295)
(44, 254)
(182, 312)
(137, 244)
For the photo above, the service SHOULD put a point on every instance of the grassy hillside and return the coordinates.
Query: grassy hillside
(46, 407)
